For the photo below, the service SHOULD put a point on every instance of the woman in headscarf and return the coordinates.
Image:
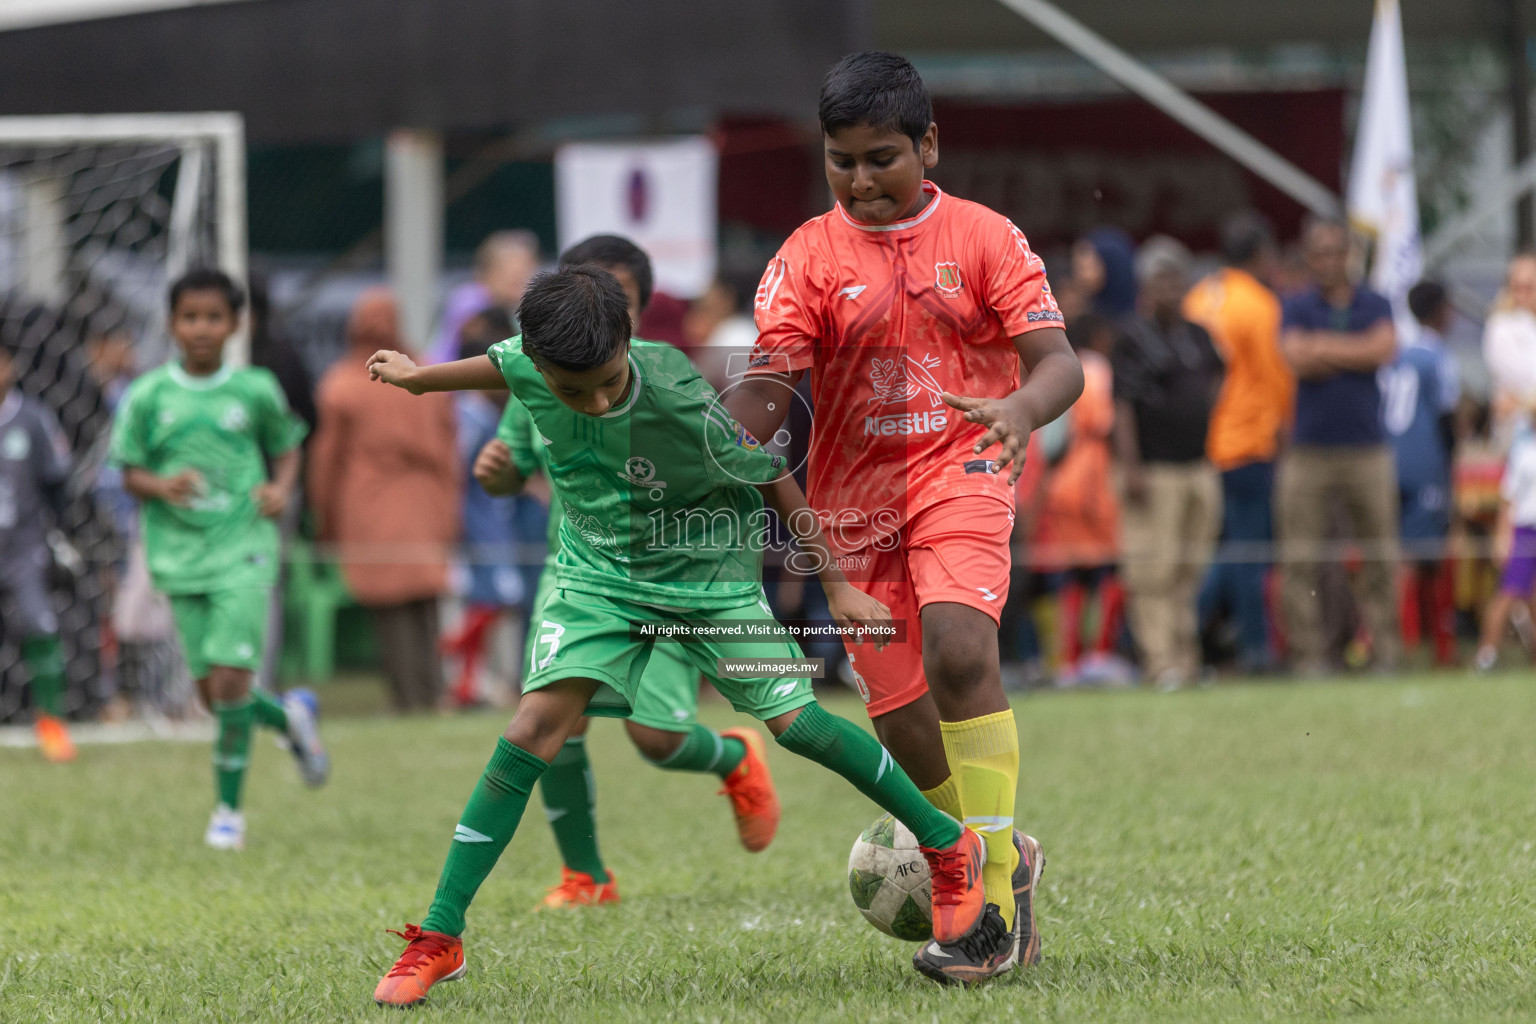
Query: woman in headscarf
(384, 481)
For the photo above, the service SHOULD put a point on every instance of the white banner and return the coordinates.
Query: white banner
(1383, 198)
(660, 195)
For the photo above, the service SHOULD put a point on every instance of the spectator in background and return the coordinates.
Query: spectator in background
(270, 349)
(385, 483)
(1076, 537)
(714, 329)
(1515, 541)
(1104, 273)
(1336, 336)
(494, 584)
(504, 264)
(1166, 378)
(1247, 426)
(1419, 396)
(1509, 348)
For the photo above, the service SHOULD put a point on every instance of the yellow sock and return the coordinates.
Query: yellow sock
(946, 797)
(984, 757)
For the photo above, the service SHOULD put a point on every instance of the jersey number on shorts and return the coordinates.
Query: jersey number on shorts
(549, 634)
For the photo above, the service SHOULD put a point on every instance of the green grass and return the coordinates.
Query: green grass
(1276, 852)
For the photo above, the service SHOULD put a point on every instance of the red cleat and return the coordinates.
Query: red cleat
(750, 787)
(430, 958)
(958, 898)
(579, 889)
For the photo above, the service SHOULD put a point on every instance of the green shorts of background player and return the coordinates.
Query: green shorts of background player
(627, 422)
(662, 724)
(193, 438)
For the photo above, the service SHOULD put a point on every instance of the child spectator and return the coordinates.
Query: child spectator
(494, 585)
(1419, 395)
(1077, 530)
(1516, 544)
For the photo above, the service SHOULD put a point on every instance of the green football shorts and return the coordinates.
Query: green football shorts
(655, 682)
(222, 627)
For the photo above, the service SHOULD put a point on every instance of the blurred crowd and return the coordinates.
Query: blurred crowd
(1271, 469)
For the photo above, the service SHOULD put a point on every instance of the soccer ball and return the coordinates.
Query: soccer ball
(888, 878)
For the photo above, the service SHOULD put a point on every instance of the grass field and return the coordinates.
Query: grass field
(1358, 850)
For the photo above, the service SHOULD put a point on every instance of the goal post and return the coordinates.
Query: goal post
(98, 214)
(209, 172)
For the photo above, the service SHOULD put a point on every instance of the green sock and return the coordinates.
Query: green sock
(569, 798)
(269, 711)
(704, 750)
(486, 826)
(232, 749)
(857, 756)
(41, 655)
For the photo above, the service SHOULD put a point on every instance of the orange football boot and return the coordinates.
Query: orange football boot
(753, 798)
(579, 889)
(958, 898)
(430, 958)
(53, 739)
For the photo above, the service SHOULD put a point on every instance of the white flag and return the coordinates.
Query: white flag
(1383, 199)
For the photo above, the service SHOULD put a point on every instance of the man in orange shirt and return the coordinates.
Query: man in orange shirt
(1247, 425)
(913, 310)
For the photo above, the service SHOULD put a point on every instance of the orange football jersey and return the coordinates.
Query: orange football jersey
(887, 318)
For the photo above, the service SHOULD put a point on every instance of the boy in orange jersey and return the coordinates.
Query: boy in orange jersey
(914, 311)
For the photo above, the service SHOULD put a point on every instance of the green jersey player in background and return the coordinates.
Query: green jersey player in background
(193, 438)
(662, 531)
(662, 724)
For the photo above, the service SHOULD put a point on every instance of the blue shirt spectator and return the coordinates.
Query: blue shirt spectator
(1342, 408)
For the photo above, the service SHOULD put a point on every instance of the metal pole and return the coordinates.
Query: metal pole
(1179, 105)
(1520, 111)
(413, 228)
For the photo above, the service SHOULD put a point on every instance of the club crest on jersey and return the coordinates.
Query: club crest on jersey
(641, 472)
(946, 278)
(233, 418)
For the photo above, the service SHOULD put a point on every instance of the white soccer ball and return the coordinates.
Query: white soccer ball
(888, 878)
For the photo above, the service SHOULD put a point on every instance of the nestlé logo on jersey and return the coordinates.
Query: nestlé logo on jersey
(898, 380)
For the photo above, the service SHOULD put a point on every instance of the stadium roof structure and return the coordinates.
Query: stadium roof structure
(302, 70)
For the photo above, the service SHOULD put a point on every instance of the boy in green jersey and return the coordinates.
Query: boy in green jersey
(662, 725)
(193, 438)
(662, 534)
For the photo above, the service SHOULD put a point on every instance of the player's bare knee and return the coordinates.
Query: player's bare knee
(779, 723)
(654, 744)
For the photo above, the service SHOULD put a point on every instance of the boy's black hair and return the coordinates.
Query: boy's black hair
(875, 90)
(614, 251)
(486, 328)
(1425, 300)
(208, 279)
(575, 318)
(1243, 236)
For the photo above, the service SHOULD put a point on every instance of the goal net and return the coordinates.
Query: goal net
(97, 215)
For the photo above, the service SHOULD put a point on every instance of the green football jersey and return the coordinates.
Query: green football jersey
(660, 506)
(222, 426)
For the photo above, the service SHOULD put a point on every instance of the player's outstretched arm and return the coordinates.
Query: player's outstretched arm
(399, 369)
(1053, 379)
(848, 605)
